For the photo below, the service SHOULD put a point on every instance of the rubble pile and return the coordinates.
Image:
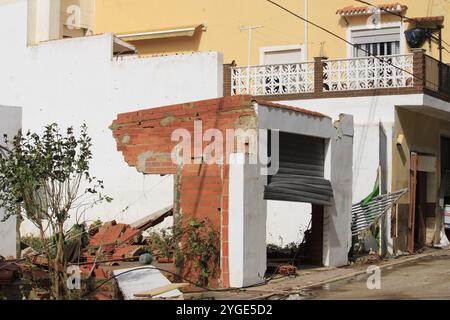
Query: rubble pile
(98, 252)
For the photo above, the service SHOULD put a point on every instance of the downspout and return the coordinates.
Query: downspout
(306, 30)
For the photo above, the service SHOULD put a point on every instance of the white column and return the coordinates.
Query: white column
(10, 123)
(247, 223)
(337, 218)
(44, 20)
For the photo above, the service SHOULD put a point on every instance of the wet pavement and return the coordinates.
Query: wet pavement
(428, 278)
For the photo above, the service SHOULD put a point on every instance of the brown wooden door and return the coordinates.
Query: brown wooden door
(414, 161)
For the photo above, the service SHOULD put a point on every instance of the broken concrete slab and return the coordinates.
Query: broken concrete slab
(137, 280)
(153, 219)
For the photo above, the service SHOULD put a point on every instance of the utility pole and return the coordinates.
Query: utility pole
(250, 39)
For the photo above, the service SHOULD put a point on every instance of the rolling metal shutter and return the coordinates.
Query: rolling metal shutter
(300, 177)
(376, 35)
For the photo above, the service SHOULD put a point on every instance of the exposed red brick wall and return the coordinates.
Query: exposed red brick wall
(419, 69)
(144, 138)
(318, 74)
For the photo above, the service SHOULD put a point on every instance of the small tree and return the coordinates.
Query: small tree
(46, 179)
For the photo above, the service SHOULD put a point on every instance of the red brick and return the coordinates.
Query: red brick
(203, 188)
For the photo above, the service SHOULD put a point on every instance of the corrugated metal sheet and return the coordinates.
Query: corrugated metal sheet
(364, 216)
(300, 177)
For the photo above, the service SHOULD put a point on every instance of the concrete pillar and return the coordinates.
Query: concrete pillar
(10, 123)
(44, 20)
(247, 223)
(337, 218)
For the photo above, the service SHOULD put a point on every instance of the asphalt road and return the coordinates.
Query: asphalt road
(425, 279)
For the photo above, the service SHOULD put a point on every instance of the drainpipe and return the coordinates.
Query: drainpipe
(306, 30)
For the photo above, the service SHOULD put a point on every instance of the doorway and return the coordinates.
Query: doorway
(301, 186)
(421, 218)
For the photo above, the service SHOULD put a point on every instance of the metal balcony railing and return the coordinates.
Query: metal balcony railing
(437, 76)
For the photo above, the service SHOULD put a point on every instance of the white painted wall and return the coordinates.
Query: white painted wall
(71, 81)
(287, 222)
(337, 218)
(247, 223)
(368, 112)
(10, 123)
(44, 23)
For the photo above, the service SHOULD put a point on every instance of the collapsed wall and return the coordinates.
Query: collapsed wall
(213, 148)
(201, 190)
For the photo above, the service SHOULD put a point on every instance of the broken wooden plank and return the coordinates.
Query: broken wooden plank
(157, 291)
(153, 219)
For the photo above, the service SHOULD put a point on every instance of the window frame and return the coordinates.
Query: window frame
(382, 25)
(289, 47)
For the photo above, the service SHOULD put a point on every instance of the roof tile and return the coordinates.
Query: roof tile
(351, 10)
(436, 19)
(291, 108)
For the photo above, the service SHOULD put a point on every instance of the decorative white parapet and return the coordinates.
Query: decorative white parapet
(383, 72)
(273, 79)
(368, 73)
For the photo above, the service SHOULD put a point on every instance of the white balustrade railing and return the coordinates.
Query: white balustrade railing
(394, 71)
(273, 79)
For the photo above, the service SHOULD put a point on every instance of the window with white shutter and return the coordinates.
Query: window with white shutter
(379, 42)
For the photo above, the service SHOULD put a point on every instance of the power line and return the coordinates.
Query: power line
(350, 43)
(401, 16)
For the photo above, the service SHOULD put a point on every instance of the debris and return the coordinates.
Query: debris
(109, 233)
(95, 250)
(40, 260)
(146, 258)
(369, 211)
(287, 270)
(128, 252)
(37, 294)
(8, 273)
(137, 280)
(28, 252)
(155, 292)
(372, 258)
(165, 260)
(153, 219)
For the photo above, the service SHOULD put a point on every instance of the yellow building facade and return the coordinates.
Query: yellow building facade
(178, 26)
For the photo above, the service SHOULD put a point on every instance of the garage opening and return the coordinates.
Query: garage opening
(299, 187)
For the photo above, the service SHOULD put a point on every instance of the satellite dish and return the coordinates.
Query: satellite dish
(416, 37)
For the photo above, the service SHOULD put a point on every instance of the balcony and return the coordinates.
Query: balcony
(395, 74)
(273, 79)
